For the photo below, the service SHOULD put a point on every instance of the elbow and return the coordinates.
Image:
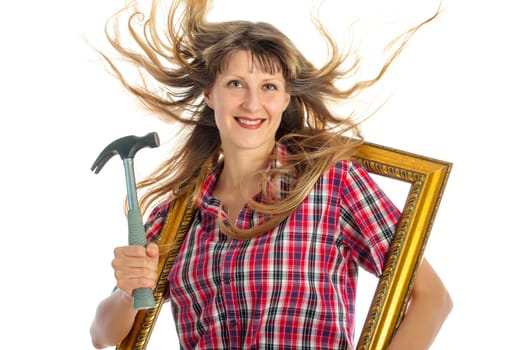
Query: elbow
(439, 295)
(430, 288)
(447, 302)
(97, 346)
(100, 339)
(441, 299)
(95, 338)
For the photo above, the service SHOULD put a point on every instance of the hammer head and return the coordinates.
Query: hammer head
(126, 147)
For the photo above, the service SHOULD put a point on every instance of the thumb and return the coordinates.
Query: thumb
(152, 250)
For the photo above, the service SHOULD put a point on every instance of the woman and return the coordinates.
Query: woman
(284, 218)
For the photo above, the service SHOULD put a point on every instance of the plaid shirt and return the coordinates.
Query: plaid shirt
(293, 287)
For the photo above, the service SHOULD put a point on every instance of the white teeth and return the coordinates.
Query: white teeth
(249, 122)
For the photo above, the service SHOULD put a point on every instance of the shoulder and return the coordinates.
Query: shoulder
(355, 180)
(345, 177)
(348, 169)
(157, 218)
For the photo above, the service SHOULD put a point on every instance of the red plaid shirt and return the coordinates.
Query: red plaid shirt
(291, 288)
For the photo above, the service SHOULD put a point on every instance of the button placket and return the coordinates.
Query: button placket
(228, 285)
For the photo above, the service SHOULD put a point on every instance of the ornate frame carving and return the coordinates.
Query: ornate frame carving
(427, 177)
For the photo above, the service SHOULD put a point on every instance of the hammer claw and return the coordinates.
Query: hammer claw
(101, 160)
(126, 147)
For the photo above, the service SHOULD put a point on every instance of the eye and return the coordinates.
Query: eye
(270, 86)
(235, 83)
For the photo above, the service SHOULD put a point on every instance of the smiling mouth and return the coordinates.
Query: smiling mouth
(249, 122)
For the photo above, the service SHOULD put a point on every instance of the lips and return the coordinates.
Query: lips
(249, 123)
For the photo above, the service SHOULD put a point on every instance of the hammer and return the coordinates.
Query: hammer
(127, 147)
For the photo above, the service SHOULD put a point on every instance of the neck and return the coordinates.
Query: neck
(243, 167)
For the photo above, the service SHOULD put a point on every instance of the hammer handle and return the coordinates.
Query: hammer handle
(142, 297)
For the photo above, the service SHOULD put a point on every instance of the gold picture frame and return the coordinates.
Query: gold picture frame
(427, 178)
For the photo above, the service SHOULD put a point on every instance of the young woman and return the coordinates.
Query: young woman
(284, 217)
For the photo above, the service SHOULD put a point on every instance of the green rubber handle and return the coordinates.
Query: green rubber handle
(142, 297)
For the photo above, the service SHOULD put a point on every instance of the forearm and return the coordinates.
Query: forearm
(421, 323)
(113, 320)
(428, 309)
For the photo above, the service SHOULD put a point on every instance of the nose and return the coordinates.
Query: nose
(252, 100)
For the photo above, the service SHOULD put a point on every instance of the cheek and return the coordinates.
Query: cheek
(277, 117)
(277, 109)
(219, 122)
(220, 115)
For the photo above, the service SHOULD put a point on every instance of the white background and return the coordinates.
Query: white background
(456, 95)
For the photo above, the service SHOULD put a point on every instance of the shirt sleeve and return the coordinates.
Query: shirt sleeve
(156, 220)
(368, 219)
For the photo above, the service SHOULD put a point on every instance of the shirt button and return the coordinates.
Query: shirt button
(227, 280)
(233, 323)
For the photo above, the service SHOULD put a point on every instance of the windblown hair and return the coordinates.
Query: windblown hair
(183, 53)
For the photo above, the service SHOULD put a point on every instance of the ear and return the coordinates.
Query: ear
(287, 103)
(208, 99)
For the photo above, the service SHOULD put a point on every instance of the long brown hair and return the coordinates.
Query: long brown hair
(182, 53)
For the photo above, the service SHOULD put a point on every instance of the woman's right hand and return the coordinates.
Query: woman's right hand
(135, 267)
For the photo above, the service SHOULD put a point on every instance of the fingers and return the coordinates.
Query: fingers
(135, 267)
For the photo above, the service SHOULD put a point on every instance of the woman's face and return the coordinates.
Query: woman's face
(248, 104)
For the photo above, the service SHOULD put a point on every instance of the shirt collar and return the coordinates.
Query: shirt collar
(206, 200)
